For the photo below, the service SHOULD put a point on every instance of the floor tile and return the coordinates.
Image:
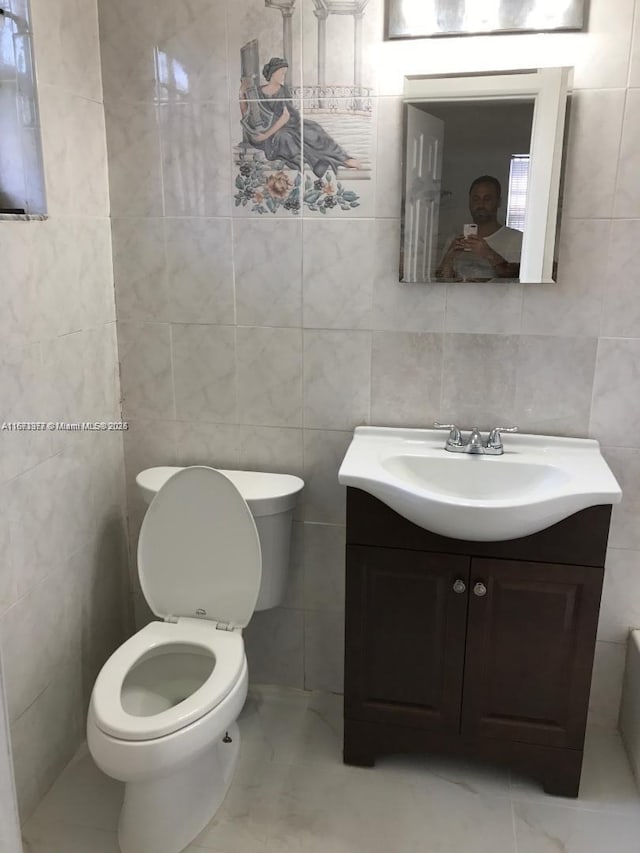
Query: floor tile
(549, 829)
(82, 795)
(291, 793)
(316, 811)
(607, 783)
(292, 727)
(252, 847)
(448, 817)
(470, 776)
(66, 838)
(243, 822)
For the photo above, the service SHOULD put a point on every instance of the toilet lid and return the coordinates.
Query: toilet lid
(199, 552)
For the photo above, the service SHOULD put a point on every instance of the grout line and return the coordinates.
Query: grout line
(635, 22)
(616, 174)
(173, 373)
(513, 819)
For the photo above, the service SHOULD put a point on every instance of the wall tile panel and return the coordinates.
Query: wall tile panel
(64, 489)
(327, 337)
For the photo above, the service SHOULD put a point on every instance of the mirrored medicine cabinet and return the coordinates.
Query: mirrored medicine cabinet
(507, 129)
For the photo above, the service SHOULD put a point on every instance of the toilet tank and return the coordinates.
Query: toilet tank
(272, 499)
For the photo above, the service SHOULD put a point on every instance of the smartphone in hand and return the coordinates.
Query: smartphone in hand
(469, 230)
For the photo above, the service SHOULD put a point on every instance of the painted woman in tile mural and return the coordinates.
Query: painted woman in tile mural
(281, 130)
(286, 164)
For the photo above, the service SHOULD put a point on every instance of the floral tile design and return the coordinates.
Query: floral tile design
(268, 187)
(262, 189)
(328, 193)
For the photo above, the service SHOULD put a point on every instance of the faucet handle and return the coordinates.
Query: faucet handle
(495, 440)
(455, 438)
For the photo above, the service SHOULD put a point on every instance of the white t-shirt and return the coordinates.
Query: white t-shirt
(507, 242)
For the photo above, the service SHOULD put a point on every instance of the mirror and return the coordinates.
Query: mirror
(482, 163)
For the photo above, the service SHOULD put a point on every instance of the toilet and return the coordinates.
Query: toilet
(162, 716)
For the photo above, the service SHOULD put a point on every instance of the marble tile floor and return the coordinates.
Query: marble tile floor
(292, 794)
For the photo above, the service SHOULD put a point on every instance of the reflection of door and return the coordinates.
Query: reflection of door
(425, 136)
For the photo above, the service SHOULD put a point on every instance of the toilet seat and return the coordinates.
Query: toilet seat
(199, 551)
(226, 648)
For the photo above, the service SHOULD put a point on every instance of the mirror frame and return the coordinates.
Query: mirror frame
(549, 88)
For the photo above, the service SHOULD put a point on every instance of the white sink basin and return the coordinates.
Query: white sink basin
(538, 481)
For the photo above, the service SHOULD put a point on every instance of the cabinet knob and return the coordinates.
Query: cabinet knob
(479, 589)
(459, 587)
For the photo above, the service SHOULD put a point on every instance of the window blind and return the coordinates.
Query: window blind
(517, 198)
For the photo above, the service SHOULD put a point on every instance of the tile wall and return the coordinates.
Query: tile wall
(62, 530)
(261, 339)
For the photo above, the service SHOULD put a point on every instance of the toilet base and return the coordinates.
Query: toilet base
(165, 815)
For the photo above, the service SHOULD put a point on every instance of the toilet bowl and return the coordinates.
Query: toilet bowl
(163, 708)
(272, 499)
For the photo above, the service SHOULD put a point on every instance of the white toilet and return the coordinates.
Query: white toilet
(163, 708)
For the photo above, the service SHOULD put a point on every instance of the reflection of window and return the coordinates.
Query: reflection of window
(171, 75)
(517, 198)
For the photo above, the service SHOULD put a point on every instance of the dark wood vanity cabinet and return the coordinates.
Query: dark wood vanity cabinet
(473, 648)
(405, 640)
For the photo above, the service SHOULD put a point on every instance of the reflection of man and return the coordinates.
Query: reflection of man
(495, 251)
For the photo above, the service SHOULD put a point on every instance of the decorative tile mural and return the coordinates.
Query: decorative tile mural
(302, 148)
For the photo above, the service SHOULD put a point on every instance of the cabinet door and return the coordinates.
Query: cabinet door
(530, 645)
(405, 633)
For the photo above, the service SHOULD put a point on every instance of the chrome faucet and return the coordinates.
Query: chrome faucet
(474, 443)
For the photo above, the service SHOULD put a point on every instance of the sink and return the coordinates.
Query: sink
(538, 481)
(476, 481)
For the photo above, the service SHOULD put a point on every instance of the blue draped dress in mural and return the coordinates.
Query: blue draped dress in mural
(321, 151)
